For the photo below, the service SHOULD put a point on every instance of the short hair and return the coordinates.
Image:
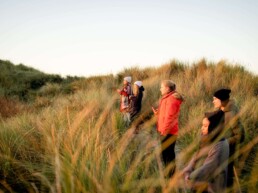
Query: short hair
(170, 84)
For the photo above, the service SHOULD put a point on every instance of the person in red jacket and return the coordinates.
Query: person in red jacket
(167, 122)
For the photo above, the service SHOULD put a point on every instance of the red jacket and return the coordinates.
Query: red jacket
(168, 113)
(125, 93)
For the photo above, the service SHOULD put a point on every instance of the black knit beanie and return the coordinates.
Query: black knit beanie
(222, 94)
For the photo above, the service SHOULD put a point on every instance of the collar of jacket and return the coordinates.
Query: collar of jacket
(230, 106)
(175, 94)
(168, 94)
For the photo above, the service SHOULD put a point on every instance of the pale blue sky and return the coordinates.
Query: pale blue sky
(96, 37)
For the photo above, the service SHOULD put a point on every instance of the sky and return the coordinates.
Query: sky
(88, 38)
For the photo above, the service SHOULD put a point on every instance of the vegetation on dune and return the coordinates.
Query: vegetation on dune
(20, 84)
(77, 142)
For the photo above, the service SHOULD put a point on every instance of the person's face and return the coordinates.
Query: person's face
(164, 89)
(205, 125)
(125, 82)
(216, 102)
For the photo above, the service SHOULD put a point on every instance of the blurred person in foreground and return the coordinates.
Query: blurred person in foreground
(207, 170)
(167, 123)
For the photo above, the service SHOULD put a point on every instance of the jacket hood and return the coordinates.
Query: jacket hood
(230, 106)
(175, 94)
(178, 96)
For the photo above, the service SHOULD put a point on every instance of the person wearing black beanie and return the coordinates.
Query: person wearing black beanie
(222, 94)
(233, 129)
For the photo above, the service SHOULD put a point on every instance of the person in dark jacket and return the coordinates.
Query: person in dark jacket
(207, 170)
(234, 131)
(136, 99)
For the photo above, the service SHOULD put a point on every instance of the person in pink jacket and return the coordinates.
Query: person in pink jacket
(167, 122)
(125, 94)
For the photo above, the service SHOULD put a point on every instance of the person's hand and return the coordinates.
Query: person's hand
(187, 178)
(155, 111)
(118, 90)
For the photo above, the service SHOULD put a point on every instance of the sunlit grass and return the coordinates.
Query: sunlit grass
(79, 142)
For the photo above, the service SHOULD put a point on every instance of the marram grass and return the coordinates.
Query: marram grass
(79, 142)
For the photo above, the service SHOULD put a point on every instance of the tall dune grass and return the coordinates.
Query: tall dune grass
(79, 143)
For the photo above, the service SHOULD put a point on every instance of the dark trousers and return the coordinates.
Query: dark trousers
(168, 143)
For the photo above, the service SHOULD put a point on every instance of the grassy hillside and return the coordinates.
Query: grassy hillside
(78, 142)
(19, 84)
